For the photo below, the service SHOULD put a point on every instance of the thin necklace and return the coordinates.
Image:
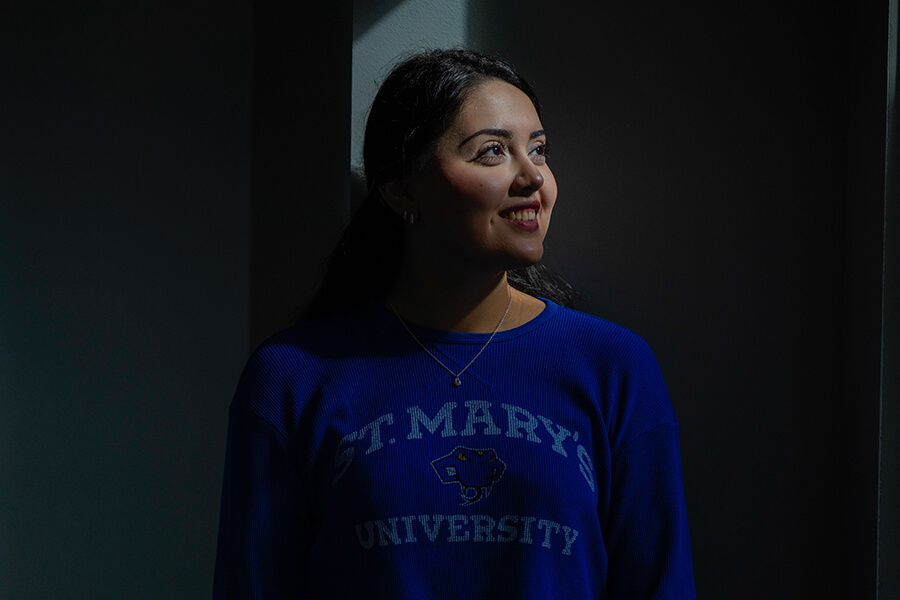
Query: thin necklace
(456, 381)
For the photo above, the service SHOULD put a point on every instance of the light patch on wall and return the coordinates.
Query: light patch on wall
(408, 27)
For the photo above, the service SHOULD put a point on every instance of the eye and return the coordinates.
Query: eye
(539, 153)
(491, 153)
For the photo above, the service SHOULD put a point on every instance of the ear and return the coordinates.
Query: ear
(397, 196)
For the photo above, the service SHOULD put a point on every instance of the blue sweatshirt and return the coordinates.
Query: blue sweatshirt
(354, 469)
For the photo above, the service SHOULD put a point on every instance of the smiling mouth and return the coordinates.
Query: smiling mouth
(527, 214)
(525, 218)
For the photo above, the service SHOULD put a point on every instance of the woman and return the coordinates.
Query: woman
(438, 425)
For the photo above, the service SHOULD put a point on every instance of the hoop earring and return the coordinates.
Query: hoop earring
(408, 217)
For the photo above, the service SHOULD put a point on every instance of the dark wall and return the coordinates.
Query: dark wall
(704, 156)
(301, 148)
(124, 205)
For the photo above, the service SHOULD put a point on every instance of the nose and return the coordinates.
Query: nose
(528, 178)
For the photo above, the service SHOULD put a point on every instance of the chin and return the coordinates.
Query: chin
(526, 260)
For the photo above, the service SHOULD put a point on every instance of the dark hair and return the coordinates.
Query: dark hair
(415, 105)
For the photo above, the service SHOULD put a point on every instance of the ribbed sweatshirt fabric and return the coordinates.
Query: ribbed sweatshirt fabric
(354, 469)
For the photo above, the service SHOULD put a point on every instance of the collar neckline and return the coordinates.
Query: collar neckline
(459, 337)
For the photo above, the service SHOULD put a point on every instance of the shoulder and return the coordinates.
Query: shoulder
(286, 369)
(597, 338)
(616, 367)
(323, 338)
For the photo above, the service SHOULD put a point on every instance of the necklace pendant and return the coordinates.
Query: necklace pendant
(456, 381)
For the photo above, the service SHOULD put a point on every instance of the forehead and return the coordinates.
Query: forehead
(498, 105)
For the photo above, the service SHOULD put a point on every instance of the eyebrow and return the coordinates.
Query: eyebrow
(503, 133)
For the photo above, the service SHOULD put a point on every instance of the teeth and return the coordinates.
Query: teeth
(529, 214)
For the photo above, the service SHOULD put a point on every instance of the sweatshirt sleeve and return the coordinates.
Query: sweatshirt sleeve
(264, 531)
(649, 546)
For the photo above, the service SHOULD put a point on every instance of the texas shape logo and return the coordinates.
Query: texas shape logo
(475, 470)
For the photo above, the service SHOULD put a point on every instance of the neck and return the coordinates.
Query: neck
(466, 303)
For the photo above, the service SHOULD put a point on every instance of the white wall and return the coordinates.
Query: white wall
(405, 28)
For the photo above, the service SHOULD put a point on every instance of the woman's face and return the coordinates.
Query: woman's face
(486, 196)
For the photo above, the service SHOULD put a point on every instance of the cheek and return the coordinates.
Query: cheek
(549, 190)
(475, 195)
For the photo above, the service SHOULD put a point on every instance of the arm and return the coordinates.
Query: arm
(649, 547)
(263, 530)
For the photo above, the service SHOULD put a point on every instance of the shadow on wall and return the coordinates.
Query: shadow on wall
(366, 14)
